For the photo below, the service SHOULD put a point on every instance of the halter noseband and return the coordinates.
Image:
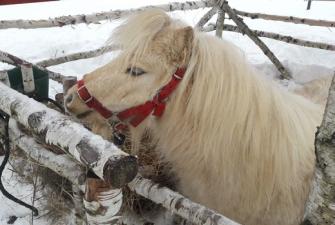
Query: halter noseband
(135, 115)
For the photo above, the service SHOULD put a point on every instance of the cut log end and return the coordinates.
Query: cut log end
(120, 171)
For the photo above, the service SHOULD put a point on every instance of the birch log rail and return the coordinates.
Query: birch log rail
(16, 61)
(178, 204)
(289, 19)
(284, 38)
(102, 209)
(61, 164)
(96, 17)
(104, 158)
(77, 56)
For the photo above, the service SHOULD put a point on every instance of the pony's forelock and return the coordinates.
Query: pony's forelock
(136, 33)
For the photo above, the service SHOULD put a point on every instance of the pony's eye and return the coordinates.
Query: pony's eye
(135, 71)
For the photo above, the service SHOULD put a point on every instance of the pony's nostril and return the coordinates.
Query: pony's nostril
(69, 99)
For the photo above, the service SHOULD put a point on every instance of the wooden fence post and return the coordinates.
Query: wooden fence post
(79, 208)
(220, 23)
(102, 202)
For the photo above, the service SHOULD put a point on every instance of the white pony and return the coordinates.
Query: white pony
(238, 143)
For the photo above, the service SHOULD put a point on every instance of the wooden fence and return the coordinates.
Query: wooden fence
(84, 150)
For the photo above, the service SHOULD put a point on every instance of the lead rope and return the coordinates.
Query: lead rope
(6, 147)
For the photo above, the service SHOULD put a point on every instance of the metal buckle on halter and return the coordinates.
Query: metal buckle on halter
(177, 77)
(118, 136)
(85, 101)
(116, 124)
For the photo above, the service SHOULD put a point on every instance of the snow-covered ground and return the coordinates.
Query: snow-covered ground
(37, 44)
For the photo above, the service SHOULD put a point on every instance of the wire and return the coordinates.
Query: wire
(6, 147)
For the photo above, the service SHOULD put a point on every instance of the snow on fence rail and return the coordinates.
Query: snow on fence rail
(96, 17)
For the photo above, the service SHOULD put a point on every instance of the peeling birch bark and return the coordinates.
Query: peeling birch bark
(4, 78)
(177, 203)
(289, 19)
(220, 23)
(28, 78)
(107, 161)
(130, 218)
(16, 61)
(96, 17)
(102, 202)
(208, 15)
(60, 164)
(288, 39)
(245, 29)
(79, 208)
(320, 208)
(77, 56)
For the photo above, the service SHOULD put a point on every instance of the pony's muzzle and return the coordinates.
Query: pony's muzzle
(68, 99)
(73, 103)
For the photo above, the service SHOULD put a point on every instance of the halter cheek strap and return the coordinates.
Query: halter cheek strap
(135, 115)
(91, 101)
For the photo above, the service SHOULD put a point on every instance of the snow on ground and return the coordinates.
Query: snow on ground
(37, 44)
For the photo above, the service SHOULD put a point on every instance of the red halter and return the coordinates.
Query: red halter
(138, 113)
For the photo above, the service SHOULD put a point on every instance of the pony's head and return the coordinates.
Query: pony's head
(152, 47)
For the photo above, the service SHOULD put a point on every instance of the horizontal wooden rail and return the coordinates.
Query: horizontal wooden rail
(77, 56)
(289, 19)
(178, 204)
(284, 38)
(16, 61)
(96, 17)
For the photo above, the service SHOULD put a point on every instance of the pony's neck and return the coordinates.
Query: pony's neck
(226, 118)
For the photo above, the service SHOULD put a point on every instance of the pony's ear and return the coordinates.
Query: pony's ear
(184, 38)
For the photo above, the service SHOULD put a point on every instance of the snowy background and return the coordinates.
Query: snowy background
(34, 45)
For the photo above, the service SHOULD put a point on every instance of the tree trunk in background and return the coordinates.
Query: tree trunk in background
(320, 208)
(220, 23)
